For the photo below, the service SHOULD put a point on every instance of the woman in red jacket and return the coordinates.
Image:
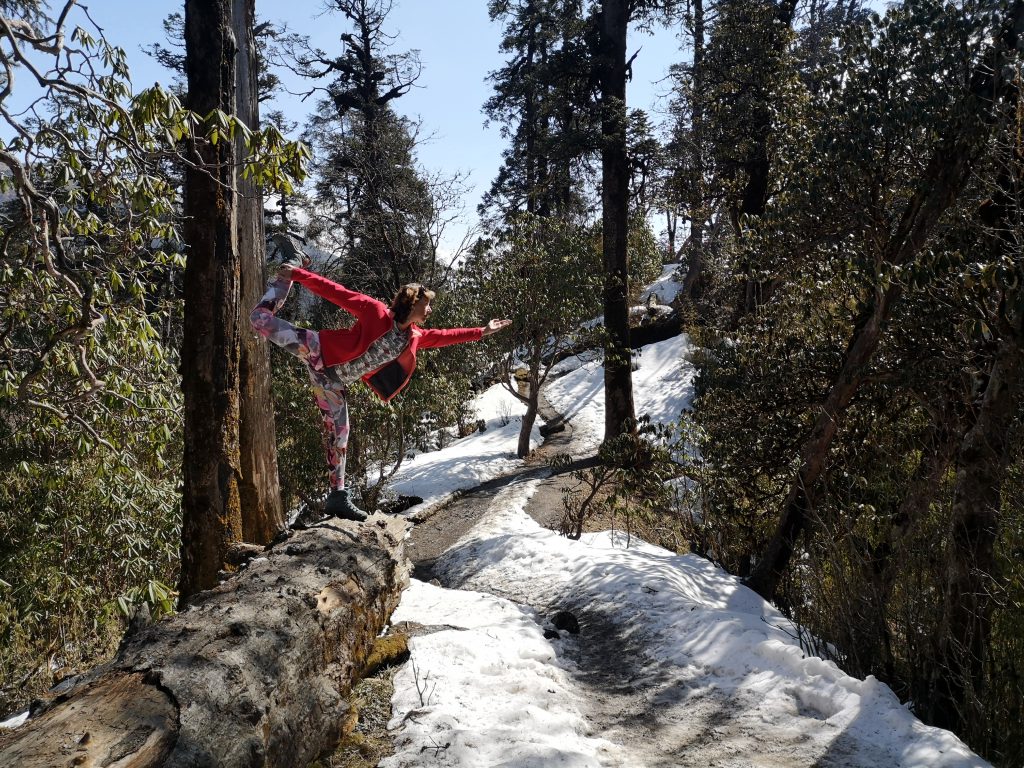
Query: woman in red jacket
(380, 348)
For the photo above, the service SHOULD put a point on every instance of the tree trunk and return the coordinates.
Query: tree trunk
(532, 405)
(618, 380)
(211, 512)
(259, 490)
(670, 232)
(255, 673)
(753, 199)
(799, 503)
(698, 204)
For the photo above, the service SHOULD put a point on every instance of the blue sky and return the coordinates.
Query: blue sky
(458, 47)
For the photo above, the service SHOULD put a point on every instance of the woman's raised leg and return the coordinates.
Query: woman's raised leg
(301, 342)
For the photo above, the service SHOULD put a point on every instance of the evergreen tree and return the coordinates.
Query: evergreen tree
(543, 99)
(372, 203)
(537, 264)
(687, 186)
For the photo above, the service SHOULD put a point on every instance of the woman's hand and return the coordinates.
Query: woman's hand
(285, 271)
(495, 325)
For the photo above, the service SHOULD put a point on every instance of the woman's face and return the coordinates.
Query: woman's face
(420, 310)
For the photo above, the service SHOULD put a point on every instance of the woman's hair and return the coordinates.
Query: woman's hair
(406, 297)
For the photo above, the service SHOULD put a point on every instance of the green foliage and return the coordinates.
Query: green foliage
(1006, 702)
(633, 484)
(543, 101)
(745, 63)
(90, 407)
(644, 254)
(542, 273)
(647, 157)
(851, 142)
(82, 539)
(383, 211)
(88, 394)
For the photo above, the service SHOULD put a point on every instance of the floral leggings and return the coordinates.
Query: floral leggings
(328, 388)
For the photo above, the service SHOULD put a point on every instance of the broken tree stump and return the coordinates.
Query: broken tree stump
(255, 672)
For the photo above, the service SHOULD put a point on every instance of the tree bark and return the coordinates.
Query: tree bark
(259, 490)
(799, 504)
(525, 430)
(698, 204)
(255, 673)
(211, 512)
(618, 380)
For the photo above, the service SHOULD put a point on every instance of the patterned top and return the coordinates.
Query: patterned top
(383, 350)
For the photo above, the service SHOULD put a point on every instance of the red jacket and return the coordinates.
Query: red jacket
(373, 320)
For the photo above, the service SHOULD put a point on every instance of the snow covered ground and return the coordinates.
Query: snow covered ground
(491, 690)
(662, 387)
(720, 675)
(466, 463)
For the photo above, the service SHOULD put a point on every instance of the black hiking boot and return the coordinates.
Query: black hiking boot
(339, 504)
(288, 251)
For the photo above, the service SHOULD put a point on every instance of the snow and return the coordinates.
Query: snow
(662, 388)
(451, 708)
(491, 690)
(16, 721)
(665, 288)
(466, 463)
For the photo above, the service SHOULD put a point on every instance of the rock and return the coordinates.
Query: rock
(564, 620)
(552, 428)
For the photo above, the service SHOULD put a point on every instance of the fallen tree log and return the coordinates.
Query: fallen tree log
(255, 672)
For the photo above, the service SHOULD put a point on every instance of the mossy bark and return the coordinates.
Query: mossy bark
(256, 672)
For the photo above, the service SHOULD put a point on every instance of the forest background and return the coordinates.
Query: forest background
(841, 187)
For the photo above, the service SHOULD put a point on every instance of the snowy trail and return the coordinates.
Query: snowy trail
(675, 664)
(627, 697)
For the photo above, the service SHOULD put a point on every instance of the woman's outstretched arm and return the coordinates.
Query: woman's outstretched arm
(431, 338)
(354, 302)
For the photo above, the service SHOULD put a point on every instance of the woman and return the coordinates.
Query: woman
(380, 349)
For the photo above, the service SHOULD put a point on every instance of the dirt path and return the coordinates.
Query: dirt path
(443, 526)
(624, 701)
(659, 716)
